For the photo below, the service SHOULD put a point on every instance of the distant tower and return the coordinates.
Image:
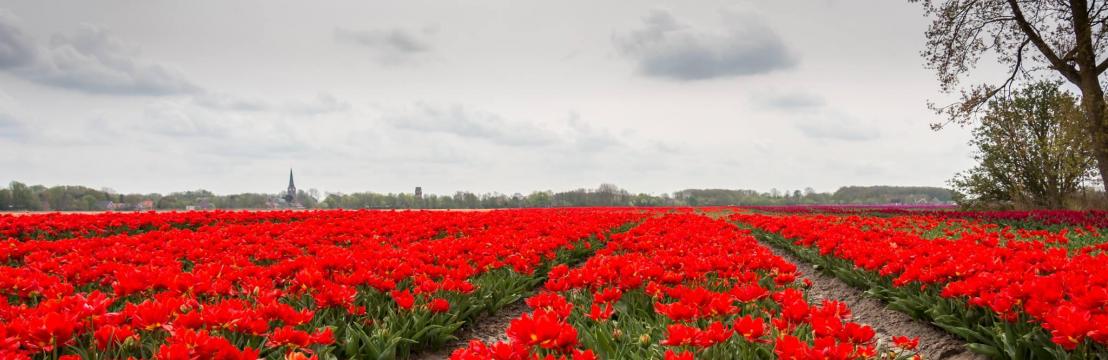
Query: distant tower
(418, 192)
(290, 196)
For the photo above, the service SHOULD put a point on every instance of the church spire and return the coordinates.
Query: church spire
(290, 196)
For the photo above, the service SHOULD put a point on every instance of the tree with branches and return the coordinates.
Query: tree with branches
(1065, 38)
(1031, 151)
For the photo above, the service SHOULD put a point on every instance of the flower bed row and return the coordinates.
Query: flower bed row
(1078, 239)
(678, 287)
(1053, 219)
(1017, 299)
(51, 226)
(337, 284)
(1093, 218)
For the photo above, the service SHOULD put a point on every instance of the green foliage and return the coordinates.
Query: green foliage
(22, 197)
(983, 331)
(1032, 38)
(1032, 152)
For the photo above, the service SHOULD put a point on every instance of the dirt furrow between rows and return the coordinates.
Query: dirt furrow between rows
(488, 329)
(934, 342)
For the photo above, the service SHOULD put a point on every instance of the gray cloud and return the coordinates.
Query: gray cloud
(792, 101)
(90, 61)
(11, 128)
(390, 46)
(466, 123)
(323, 103)
(666, 48)
(837, 126)
(16, 48)
(228, 102)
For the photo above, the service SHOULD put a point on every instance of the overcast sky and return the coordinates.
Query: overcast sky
(506, 95)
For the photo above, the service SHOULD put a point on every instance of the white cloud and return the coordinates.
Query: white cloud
(814, 118)
(323, 103)
(459, 121)
(836, 126)
(174, 118)
(588, 138)
(242, 135)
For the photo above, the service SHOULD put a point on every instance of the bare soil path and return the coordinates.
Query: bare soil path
(489, 330)
(934, 343)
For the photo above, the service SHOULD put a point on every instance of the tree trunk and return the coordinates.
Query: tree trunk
(1092, 94)
(1094, 106)
(1100, 145)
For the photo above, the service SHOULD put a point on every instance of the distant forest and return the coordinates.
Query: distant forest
(20, 197)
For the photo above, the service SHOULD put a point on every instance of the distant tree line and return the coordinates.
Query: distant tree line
(612, 195)
(890, 195)
(21, 197)
(844, 195)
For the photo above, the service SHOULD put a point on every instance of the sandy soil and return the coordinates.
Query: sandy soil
(934, 343)
(489, 330)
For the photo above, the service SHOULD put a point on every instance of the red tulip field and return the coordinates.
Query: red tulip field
(598, 283)
(1010, 292)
